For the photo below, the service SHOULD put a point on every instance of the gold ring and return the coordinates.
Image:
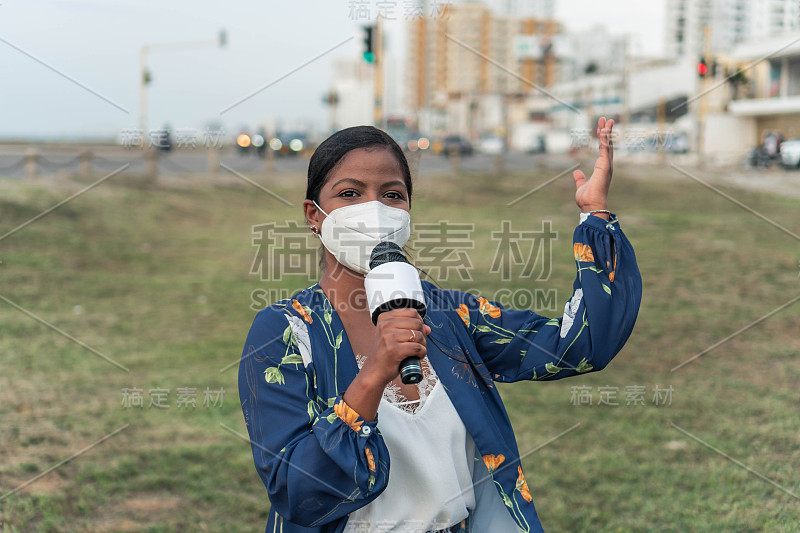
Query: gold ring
(413, 335)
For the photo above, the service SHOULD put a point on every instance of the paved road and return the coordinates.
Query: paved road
(65, 161)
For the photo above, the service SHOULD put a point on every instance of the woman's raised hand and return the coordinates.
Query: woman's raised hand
(592, 194)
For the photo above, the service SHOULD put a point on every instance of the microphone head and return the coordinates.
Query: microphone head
(386, 252)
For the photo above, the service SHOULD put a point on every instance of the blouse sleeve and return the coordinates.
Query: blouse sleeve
(597, 321)
(317, 465)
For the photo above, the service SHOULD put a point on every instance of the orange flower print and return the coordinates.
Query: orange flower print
(302, 311)
(486, 307)
(522, 485)
(463, 312)
(492, 461)
(611, 274)
(370, 459)
(583, 253)
(348, 415)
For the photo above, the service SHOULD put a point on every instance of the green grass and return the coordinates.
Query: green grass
(159, 280)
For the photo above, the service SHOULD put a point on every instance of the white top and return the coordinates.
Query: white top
(431, 458)
(395, 396)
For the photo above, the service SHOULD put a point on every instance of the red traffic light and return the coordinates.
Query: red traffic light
(702, 68)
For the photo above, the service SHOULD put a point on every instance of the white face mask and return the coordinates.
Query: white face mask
(351, 232)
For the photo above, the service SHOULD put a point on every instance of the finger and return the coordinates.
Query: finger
(405, 312)
(406, 345)
(405, 324)
(427, 329)
(603, 127)
(408, 312)
(604, 157)
(602, 163)
(415, 350)
(579, 177)
(607, 131)
(405, 335)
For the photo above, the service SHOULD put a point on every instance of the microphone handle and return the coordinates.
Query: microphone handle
(410, 370)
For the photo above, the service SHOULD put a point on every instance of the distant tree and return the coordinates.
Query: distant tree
(737, 80)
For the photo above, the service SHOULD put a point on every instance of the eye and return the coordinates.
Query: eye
(346, 192)
(394, 195)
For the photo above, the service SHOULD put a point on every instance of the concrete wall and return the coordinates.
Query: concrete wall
(788, 124)
(729, 136)
(648, 83)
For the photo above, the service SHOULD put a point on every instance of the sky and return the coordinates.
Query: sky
(70, 68)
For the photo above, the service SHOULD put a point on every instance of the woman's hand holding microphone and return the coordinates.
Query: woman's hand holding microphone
(399, 334)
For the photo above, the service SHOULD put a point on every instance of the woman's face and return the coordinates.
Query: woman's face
(363, 175)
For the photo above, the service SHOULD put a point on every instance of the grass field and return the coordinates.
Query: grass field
(158, 279)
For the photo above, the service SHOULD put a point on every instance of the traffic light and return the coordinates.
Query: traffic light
(702, 68)
(369, 52)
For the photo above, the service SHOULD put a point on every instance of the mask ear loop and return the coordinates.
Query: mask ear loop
(314, 229)
(318, 207)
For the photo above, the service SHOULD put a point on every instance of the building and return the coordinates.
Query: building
(771, 18)
(353, 87)
(757, 38)
(540, 9)
(589, 52)
(729, 22)
(769, 98)
(466, 67)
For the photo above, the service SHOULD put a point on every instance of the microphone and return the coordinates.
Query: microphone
(393, 283)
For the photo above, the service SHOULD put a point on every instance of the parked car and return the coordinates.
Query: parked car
(291, 144)
(790, 153)
(412, 142)
(456, 143)
(492, 145)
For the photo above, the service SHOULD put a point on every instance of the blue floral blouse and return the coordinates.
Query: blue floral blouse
(320, 460)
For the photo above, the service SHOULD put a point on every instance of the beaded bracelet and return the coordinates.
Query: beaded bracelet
(600, 211)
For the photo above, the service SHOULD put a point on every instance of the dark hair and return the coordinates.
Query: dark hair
(331, 151)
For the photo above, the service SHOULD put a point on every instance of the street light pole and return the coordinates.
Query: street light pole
(378, 73)
(144, 75)
(626, 109)
(702, 104)
(143, 80)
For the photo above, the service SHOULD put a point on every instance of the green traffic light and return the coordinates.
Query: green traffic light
(369, 57)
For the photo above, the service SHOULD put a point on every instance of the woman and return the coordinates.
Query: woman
(316, 375)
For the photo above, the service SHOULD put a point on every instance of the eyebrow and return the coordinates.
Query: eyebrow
(362, 184)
